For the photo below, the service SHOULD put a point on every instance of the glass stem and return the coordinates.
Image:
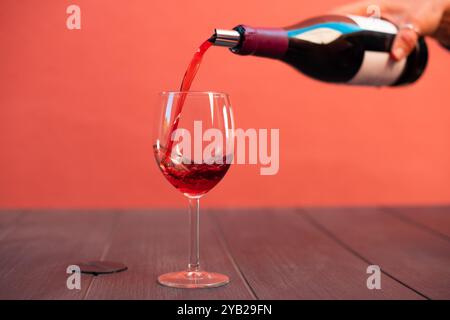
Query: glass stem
(194, 216)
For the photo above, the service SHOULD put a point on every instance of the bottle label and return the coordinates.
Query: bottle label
(323, 33)
(374, 24)
(377, 68)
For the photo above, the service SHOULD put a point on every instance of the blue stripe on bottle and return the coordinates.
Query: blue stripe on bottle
(342, 27)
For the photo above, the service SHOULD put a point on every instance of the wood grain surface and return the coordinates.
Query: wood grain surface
(414, 256)
(298, 253)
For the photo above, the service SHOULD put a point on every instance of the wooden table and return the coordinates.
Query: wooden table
(268, 253)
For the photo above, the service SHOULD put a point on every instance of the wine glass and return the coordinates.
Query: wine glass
(194, 142)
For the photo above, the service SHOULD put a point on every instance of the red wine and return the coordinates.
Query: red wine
(189, 76)
(190, 178)
(339, 49)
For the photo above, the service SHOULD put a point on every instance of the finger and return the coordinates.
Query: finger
(404, 43)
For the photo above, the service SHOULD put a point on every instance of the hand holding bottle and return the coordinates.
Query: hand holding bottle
(414, 19)
(338, 48)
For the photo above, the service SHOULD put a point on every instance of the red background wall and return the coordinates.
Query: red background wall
(76, 111)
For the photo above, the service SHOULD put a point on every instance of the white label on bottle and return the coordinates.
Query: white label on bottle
(374, 24)
(378, 69)
(319, 35)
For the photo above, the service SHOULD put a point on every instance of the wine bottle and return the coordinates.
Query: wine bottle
(340, 49)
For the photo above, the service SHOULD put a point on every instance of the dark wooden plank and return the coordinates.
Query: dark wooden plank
(8, 221)
(155, 242)
(410, 254)
(436, 219)
(283, 256)
(34, 258)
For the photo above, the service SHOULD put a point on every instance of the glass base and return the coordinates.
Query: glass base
(193, 279)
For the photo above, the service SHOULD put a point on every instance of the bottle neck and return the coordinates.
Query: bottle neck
(246, 40)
